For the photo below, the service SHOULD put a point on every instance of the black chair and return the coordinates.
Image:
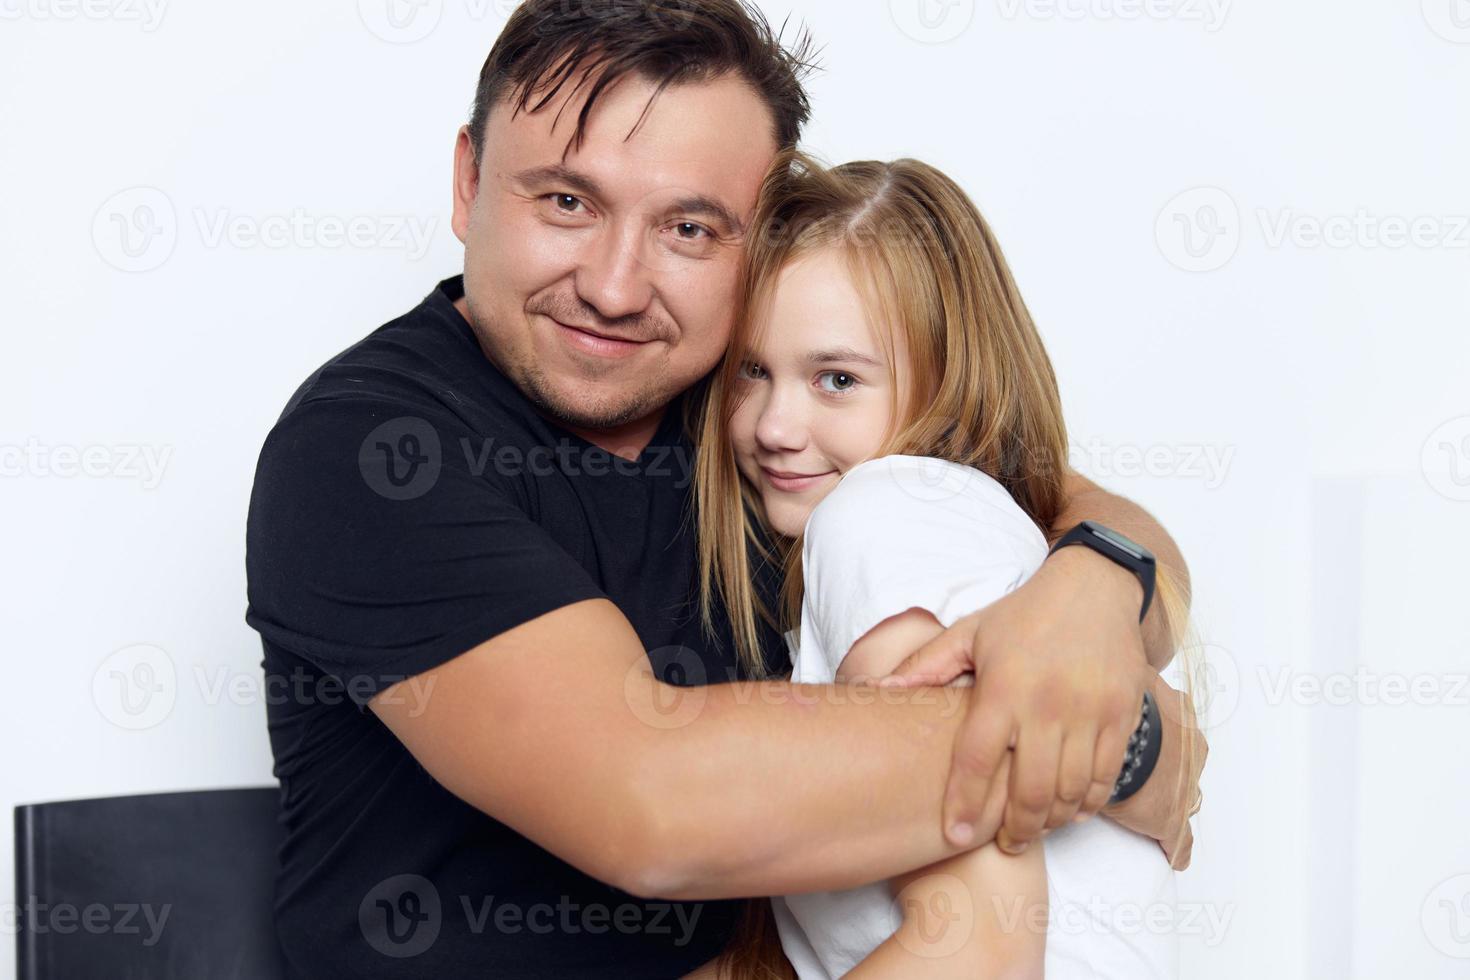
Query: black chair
(173, 886)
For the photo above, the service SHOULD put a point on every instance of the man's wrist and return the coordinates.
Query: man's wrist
(1099, 572)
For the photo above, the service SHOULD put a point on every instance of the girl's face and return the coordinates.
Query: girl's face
(816, 390)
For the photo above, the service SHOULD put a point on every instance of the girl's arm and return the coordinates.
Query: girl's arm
(980, 915)
(977, 916)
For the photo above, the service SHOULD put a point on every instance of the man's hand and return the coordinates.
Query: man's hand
(1162, 808)
(1060, 673)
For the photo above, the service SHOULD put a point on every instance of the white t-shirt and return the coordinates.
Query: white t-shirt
(901, 532)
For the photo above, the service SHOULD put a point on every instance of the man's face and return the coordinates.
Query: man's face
(603, 283)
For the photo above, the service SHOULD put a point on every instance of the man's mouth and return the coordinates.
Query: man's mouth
(588, 340)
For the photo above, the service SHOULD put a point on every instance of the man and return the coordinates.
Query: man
(469, 561)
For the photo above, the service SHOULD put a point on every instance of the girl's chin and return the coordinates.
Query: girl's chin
(786, 518)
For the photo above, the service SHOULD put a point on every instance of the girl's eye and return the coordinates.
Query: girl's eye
(836, 382)
(751, 371)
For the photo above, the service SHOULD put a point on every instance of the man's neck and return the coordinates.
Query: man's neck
(627, 440)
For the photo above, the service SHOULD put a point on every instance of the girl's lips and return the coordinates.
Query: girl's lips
(793, 483)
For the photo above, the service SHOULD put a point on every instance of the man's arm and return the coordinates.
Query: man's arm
(1089, 502)
(1061, 668)
(559, 729)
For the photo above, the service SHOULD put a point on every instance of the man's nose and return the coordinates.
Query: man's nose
(613, 277)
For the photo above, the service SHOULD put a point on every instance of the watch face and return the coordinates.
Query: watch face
(1118, 541)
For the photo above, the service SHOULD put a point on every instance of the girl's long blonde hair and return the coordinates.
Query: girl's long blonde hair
(982, 394)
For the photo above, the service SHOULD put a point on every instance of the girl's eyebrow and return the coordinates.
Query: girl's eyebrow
(841, 355)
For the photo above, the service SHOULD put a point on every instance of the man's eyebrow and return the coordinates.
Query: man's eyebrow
(561, 176)
(841, 355)
(709, 208)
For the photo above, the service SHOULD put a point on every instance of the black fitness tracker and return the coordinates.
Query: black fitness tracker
(1144, 744)
(1142, 754)
(1110, 544)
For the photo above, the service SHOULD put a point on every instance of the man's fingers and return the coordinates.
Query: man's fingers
(1097, 797)
(1180, 850)
(934, 664)
(1107, 763)
(1075, 777)
(1033, 787)
(979, 750)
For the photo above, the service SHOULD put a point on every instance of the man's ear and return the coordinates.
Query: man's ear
(466, 182)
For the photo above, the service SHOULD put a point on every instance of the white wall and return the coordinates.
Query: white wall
(1304, 401)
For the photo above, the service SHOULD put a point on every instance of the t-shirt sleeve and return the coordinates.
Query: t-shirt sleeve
(902, 532)
(375, 552)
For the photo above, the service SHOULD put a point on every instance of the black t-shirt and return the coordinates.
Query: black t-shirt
(410, 504)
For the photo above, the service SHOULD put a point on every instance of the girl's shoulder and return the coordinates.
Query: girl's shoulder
(910, 501)
(898, 484)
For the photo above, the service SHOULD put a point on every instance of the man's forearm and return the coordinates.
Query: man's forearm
(778, 788)
(1089, 502)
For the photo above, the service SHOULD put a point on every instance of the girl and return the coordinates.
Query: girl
(887, 426)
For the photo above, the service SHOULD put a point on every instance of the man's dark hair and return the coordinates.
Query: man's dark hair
(547, 44)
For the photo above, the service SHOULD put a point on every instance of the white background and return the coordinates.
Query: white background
(1326, 376)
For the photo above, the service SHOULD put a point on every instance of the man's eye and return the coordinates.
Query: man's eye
(690, 232)
(566, 202)
(751, 371)
(836, 381)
